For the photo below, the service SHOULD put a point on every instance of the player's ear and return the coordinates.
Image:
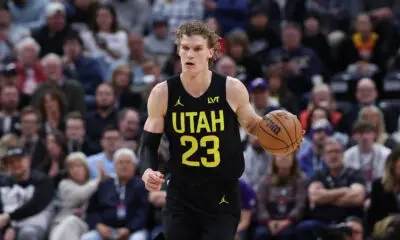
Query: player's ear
(211, 53)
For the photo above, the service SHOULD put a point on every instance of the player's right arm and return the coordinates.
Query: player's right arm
(151, 137)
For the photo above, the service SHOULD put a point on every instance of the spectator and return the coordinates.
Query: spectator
(74, 193)
(366, 95)
(87, 70)
(105, 113)
(25, 199)
(357, 228)
(30, 140)
(281, 199)
(28, 66)
(9, 114)
(126, 194)
(178, 11)
(261, 36)
(79, 13)
(7, 141)
(321, 96)
(238, 48)
(374, 115)
(6, 43)
(226, 66)
(133, 15)
(248, 205)
(129, 127)
(121, 80)
(75, 132)
(159, 44)
(257, 161)
(110, 142)
(367, 156)
(106, 40)
(385, 192)
(10, 77)
(52, 107)
(317, 113)
(334, 193)
(71, 89)
(316, 40)
(259, 96)
(300, 64)
(28, 14)
(361, 51)
(53, 162)
(310, 159)
(280, 95)
(52, 35)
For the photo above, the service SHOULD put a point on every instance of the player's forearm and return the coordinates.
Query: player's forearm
(251, 126)
(148, 152)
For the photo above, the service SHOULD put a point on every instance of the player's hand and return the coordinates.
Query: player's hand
(302, 140)
(153, 180)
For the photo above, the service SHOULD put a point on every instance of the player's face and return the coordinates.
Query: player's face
(194, 53)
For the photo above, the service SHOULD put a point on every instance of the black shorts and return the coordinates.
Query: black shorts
(202, 212)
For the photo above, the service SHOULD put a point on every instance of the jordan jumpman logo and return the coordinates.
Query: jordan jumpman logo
(223, 200)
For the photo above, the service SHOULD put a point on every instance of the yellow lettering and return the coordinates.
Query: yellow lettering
(182, 130)
(203, 123)
(191, 116)
(219, 120)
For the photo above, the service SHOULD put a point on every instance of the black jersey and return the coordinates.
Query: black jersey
(203, 134)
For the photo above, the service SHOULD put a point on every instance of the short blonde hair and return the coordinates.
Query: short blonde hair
(77, 156)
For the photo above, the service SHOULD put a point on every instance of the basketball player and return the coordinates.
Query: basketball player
(199, 112)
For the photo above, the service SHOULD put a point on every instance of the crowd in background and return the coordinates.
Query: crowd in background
(74, 80)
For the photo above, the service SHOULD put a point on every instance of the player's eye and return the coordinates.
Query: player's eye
(185, 48)
(197, 49)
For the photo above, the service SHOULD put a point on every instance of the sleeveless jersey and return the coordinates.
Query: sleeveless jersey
(203, 134)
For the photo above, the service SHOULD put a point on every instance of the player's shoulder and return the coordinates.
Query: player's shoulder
(235, 88)
(160, 90)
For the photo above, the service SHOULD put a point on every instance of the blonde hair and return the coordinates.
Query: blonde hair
(389, 178)
(77, 156)
(381, 134)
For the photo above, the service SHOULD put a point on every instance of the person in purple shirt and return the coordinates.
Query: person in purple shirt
(248, 201)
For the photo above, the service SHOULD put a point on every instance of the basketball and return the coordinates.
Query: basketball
(279, 132)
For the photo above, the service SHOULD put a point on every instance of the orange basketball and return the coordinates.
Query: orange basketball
(279, 132)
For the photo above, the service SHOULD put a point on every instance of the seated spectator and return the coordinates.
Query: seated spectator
(9, 114)
(281, 199)
(7, 141)
(334, 193)
(356, 226)
(75, 132)
(85, 69)
(129, 127)
(10, 76)
(321, 96)
(105, 40)
(25, 199)
(105, 113)
(261, 36)
(53, 162)
(79, 13)
(361, 52)
(74, 193)
(52, 35)
(30, 140)
(259, 97)
(366, 94)
(110, 142)
(367, 156)
(7, 53)
(280, 95)
(119, 208)
(122, 82)
(53, 107)
(238, 48)
(226, 66)
(28, 14)
(374, 115)
(257, 162)
(385, 192)
(310, 158)
(300, 64)
(29, 69)
(133, 15)
(248, 206)
(315, 39)
(72, 89)
(159, 44)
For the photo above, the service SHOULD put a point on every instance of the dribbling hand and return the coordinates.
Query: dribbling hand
(153, 180)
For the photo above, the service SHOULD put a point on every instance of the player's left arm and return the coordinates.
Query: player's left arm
(238, 98)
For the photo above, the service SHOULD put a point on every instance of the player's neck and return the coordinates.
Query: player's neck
(196, 85)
